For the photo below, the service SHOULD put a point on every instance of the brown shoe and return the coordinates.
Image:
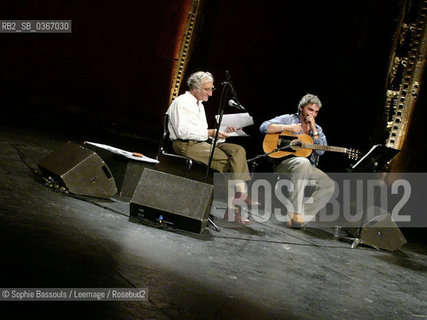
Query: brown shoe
(296, 221)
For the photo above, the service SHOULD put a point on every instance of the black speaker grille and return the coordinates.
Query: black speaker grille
(173, 194)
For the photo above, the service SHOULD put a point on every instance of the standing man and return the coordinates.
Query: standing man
(189, 132)
(303, 170)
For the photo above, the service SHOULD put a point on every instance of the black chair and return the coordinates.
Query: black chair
(166, 149)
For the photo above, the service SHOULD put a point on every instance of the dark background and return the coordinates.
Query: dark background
(112, 73)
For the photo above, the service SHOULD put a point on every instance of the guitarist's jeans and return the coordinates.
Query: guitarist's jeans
(302, 174)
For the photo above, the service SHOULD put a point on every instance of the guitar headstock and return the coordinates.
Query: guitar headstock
(353, 154)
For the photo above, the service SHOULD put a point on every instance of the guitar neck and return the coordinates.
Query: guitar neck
(324, 148)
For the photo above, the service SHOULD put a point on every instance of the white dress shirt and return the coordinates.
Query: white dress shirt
(187, 119)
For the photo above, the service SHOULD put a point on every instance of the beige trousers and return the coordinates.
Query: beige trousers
(303, 173)
(228, 157)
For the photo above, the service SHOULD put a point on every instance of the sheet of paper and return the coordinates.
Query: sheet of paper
(238, 133)
(237, 120)
(127, 154)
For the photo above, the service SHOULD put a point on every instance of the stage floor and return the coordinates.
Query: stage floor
(262, 271)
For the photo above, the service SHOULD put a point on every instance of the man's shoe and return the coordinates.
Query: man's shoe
(236, 215)
(296, 221)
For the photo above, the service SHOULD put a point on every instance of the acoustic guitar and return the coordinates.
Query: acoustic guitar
(301, 145)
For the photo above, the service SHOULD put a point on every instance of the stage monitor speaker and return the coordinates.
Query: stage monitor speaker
(172, 200)
(80, 170)
(126, 172)
(381, 231)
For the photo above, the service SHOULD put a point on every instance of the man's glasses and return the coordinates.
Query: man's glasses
(210, 89)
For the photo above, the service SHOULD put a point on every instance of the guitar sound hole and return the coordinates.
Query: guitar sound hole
(285, 141)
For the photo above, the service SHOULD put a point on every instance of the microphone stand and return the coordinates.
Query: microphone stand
(224, 93)
(225, 90)
(227, 86)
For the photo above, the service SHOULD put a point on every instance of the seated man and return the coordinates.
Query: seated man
(189, 132)
(303, 170)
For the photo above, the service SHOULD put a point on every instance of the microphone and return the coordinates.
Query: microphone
(227, 75)
(235, 104)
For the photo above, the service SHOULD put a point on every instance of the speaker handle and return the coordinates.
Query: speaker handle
(107, 172)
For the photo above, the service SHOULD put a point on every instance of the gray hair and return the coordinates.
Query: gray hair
(309, 99)
(195, 80)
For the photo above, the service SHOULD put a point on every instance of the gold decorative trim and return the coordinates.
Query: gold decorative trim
(185, 49)
(405, 72)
